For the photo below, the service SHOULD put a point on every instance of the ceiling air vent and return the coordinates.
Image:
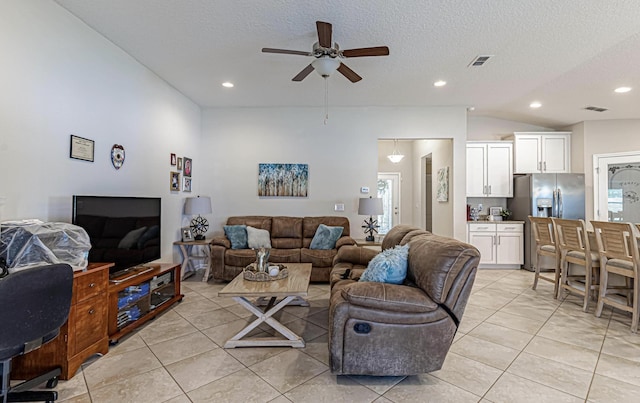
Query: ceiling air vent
(595, 109)
(479, 61)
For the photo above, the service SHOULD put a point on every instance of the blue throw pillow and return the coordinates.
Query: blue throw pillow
(326, 237)
(237, 235)
(388, 266)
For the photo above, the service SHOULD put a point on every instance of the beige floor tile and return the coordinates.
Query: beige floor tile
(501, 335)
(193, 372)
(304, 311)
(161, 330)
(378, 384)
(537, 312)
(220, 334)
(556, 375)
(241, 386)
(152, 386)
(131, 342)
(84, 398)
(287, 370)
(190, 307)
(477, 312)
(174, 350)
(249, 356)
(427, 388)
(382, 399)
(178, 399)
(468, 324)
(491, 299)
(320, 318)
(619, 368)
(516, 322)
(627, 346)
(556, 330)
(331, 388)
(72, 388)
(605, 390)
(486, 352)
(318, 348)
(205, 320)
(511, 388)
(115, 368)
(575, 356)
(280, 399)
(467, 374)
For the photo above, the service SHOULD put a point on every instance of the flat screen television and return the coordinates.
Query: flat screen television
(122, 230)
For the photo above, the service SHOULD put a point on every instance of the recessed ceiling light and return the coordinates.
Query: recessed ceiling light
(440, 83)
(621, 90)
(227, 84)
(535, 104)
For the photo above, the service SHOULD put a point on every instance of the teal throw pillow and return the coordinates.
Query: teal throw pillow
(388, 266)
(258, 238)
(237, 235)
(131, 239)
(326, 237)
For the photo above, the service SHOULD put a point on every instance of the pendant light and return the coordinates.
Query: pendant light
(395, 157)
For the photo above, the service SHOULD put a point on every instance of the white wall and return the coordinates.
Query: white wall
(486, 128)
(59, 77)
(342, 156)
(602, 137)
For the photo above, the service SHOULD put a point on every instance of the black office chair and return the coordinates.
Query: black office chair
(34, 303)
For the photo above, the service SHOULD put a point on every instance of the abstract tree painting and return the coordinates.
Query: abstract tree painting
(283, 180)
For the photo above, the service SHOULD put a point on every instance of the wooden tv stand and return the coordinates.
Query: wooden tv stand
(139, 295)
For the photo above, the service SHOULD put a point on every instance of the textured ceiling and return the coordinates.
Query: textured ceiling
(566, 54)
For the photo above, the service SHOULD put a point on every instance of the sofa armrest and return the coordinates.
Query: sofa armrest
(388, 297)
(354, 255)
(221, 241)
(344, 241)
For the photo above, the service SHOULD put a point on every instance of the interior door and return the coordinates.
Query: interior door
(617, 187)
(389, 191)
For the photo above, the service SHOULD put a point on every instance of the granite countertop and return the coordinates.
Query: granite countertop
(497, 222)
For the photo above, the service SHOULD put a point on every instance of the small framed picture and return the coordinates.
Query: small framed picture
(81, 148)
(187, 166)
(186, 187)
(174, 181)
(179, 164)
(173, 159)
(187, 235)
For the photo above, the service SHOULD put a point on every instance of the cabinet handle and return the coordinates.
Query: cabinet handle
(92, 285)
(92, 311)
(539, 165)
(509, 227)
(489, 192)
(494, 240)
(498, 239)
(545, 165)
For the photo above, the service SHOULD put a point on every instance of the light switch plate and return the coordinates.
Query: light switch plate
(364, 189)
(338, 207)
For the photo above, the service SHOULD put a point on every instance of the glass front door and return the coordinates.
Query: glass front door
(617, 187)
(389, 191)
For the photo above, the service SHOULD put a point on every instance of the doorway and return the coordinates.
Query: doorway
(616, 187)
(428, 195)
(389, 192)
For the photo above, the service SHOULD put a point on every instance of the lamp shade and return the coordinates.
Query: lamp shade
(197, 205)
(370, 206)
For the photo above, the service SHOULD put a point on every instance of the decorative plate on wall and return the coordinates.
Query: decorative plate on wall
(117, 156)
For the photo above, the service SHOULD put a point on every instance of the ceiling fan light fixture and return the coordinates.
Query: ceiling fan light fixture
(395, 157)
(326, 65)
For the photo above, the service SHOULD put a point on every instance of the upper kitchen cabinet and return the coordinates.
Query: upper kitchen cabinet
(489, 169)
(548, 152)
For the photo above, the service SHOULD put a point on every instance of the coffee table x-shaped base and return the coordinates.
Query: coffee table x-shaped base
(266, 316)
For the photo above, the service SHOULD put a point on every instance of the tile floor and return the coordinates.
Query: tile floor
(513, 345)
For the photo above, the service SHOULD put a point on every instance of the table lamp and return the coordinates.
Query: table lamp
(370, 206)
(198, 205)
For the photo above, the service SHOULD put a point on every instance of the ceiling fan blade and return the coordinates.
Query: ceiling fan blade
(376, 51)
(324, 34)
(285, 51)
(350, 74)
(304, 73)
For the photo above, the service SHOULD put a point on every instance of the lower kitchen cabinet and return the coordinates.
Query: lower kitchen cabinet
(501, 244)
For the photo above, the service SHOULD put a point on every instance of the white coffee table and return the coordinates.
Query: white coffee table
(280, 293)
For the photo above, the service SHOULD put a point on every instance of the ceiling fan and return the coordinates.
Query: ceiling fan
(329, 55)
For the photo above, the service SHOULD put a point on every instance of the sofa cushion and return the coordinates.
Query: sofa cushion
(256, 221)
(237, 235)
(131, 239)
(239, 257)
(388, 266)
(326, 237)
(388, 297)
(285, 255)
(286, 232)
(317, 257)
(258, 238)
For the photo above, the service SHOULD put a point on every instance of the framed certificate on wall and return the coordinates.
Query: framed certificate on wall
(81, 148)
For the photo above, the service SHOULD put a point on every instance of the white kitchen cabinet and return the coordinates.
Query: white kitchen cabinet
(501, 244)
(490, 169)
(548, 152)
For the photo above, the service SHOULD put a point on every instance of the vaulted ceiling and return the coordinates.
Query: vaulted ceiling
(566, 54)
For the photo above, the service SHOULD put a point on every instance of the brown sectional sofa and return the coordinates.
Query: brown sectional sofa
(290, 241)
(407, 329)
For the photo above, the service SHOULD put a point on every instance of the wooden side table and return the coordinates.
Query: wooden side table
(363, 243)
(186, 248)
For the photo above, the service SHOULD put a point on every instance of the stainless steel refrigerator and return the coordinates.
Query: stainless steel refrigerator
(545, 195)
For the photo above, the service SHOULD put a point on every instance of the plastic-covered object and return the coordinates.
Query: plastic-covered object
(31, 243)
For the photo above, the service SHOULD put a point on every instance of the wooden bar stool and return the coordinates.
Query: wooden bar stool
(618, 248)
(573, 241)
(545, 246)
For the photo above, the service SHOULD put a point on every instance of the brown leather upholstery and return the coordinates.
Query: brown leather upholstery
(391, 330)
(290, 241)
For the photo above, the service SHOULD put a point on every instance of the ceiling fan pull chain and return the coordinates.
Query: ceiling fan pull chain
(326, 100)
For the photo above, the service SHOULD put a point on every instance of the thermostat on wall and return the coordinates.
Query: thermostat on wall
(339, 207)
(364, 189)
